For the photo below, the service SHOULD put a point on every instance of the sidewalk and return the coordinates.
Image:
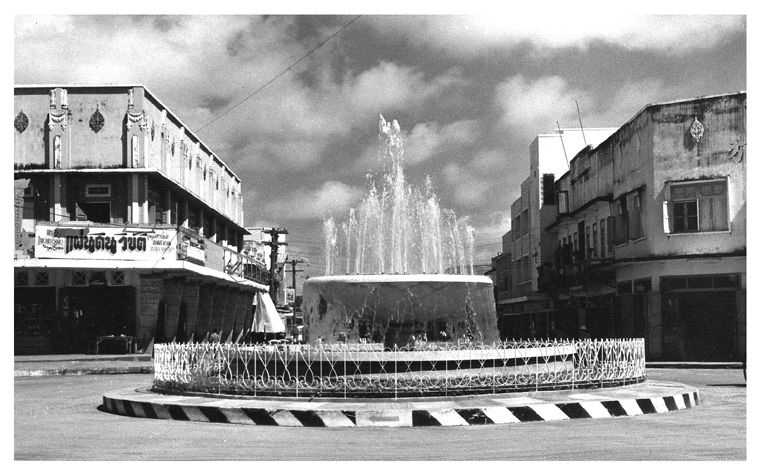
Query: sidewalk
(77, 364)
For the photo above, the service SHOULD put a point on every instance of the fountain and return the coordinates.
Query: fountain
(407, 269)
(399, 313)
(406, 320)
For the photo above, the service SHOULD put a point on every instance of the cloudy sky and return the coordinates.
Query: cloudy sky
(292, 103)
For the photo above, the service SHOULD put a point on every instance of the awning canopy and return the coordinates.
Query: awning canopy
(266, 319)
(591, 290)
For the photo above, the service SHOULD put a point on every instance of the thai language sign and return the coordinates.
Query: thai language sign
(131, 244)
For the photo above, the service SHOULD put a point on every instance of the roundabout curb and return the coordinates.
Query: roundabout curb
(650, 398)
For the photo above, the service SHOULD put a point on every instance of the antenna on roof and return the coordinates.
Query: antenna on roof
(559, 129)
(579, 120)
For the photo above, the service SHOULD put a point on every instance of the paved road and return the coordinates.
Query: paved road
(56, 418)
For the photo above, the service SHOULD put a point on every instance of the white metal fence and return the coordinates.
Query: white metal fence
(366, 370)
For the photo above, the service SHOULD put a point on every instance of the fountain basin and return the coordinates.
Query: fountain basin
(400, 310)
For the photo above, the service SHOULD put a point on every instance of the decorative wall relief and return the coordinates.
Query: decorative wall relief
(52, 98)
(131, 99)
(64, 99)
(97, 121)
(737, 149)
(697, 130)
(21, 122)
(56, 119)
(133, 118)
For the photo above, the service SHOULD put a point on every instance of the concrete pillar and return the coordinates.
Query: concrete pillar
(190, 297)
(185, 213)
(205, 310)
(56, 207)
(654, 329)
(167, 205)
(134, 198)
(173, 289)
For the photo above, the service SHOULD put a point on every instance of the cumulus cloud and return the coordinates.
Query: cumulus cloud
(428, 139)
(474, 34)
(467, 190)
(332, 197)
(536, 106)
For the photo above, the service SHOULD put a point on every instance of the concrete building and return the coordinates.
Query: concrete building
(126, 224)
(649, 233)
(549, 157)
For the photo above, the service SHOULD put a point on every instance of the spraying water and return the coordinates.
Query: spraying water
(398, 228)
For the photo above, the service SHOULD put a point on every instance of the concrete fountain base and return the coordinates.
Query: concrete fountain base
(397, 310)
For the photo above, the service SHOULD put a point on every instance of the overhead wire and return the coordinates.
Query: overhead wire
(283, 72)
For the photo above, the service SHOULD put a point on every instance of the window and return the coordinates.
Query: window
(610, 236)
(699, 282)
(562, 205)
(589, 243)
(642, 286)
(98, 278)
(79, 278)
(42, 278)
(97, 191)
(624, 287)
(603, 238)
(698, 207)
(635, 227)
(619, 222)
(594, 241)
(118, 278)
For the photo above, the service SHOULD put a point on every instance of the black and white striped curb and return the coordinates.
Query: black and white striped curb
(402, 417)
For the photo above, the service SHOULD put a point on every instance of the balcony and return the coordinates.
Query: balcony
(202, 251)
(573, 268)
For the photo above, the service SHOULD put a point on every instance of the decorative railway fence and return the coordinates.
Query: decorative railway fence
(366, 370)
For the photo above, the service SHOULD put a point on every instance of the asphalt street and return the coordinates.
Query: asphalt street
(58, 418)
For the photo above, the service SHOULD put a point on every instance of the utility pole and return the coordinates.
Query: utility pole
(293, 263)
(274, 244)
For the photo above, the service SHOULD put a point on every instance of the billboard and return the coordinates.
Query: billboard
(104, 242)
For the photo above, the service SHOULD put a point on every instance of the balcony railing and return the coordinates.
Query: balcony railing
(202, 251)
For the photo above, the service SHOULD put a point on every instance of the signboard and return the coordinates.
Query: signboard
(290, 296)
(114, 243)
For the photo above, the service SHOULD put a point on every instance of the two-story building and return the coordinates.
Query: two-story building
(650, 232)
(126, 224)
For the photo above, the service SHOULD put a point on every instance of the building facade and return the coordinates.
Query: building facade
(524, 311)
(126, 224)
(649, 233)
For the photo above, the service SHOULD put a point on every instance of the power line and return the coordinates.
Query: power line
(275, 78)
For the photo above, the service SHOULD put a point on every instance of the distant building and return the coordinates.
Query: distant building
(649, 235)
(126, 224)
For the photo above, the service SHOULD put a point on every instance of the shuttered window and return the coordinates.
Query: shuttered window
(699, 207)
